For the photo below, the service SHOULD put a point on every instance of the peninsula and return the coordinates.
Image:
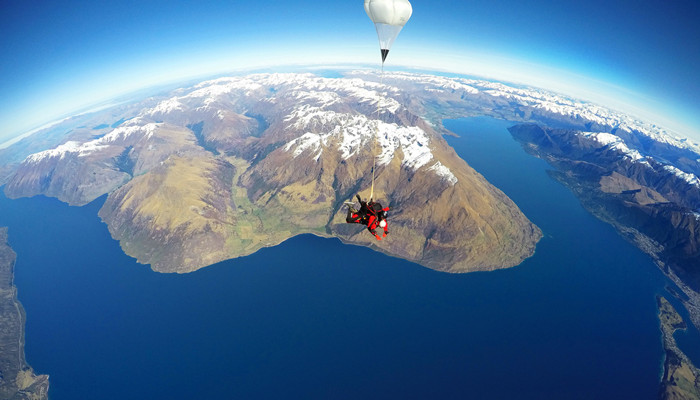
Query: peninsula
(228, 166)
(681, 379)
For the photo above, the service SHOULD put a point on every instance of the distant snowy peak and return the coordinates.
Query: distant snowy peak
(613, 142)
(305, 88)
(116, 136)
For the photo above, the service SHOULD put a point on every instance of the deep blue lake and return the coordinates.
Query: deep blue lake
(313, 318)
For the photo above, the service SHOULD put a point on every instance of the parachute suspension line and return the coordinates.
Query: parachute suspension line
(389, 17)
(376, 134)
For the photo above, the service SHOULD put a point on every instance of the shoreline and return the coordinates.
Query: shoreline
(680, 378)
(17, 378)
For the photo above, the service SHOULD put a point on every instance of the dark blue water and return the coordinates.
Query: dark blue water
(312, 318)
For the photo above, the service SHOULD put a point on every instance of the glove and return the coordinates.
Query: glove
(378, 237)
(384, 235)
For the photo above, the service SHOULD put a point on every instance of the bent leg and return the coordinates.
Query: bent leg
(372, 226)
(352, 218)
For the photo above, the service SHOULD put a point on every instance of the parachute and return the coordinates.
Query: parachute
(389, 16)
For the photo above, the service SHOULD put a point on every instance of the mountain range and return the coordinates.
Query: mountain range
(227, 166)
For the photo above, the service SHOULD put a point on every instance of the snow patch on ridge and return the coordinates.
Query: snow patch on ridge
(60, 152)
(444, 172)
(413, 141)
(167, 106)
(615, 143)
(690, 178)
(355, 133)
(306, 88)
(312, 141)
(68, 148)
(124, 132)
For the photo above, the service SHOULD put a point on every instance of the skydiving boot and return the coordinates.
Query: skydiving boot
(351, 206)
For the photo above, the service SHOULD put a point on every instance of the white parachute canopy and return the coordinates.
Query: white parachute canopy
(389, 16)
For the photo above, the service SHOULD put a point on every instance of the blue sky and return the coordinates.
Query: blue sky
(638, 56)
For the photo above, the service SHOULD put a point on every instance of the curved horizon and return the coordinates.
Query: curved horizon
(67, 58)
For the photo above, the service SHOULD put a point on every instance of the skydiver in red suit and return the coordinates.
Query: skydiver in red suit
(371, 214)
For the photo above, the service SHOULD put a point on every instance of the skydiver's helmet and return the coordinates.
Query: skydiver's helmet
(382, 223)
